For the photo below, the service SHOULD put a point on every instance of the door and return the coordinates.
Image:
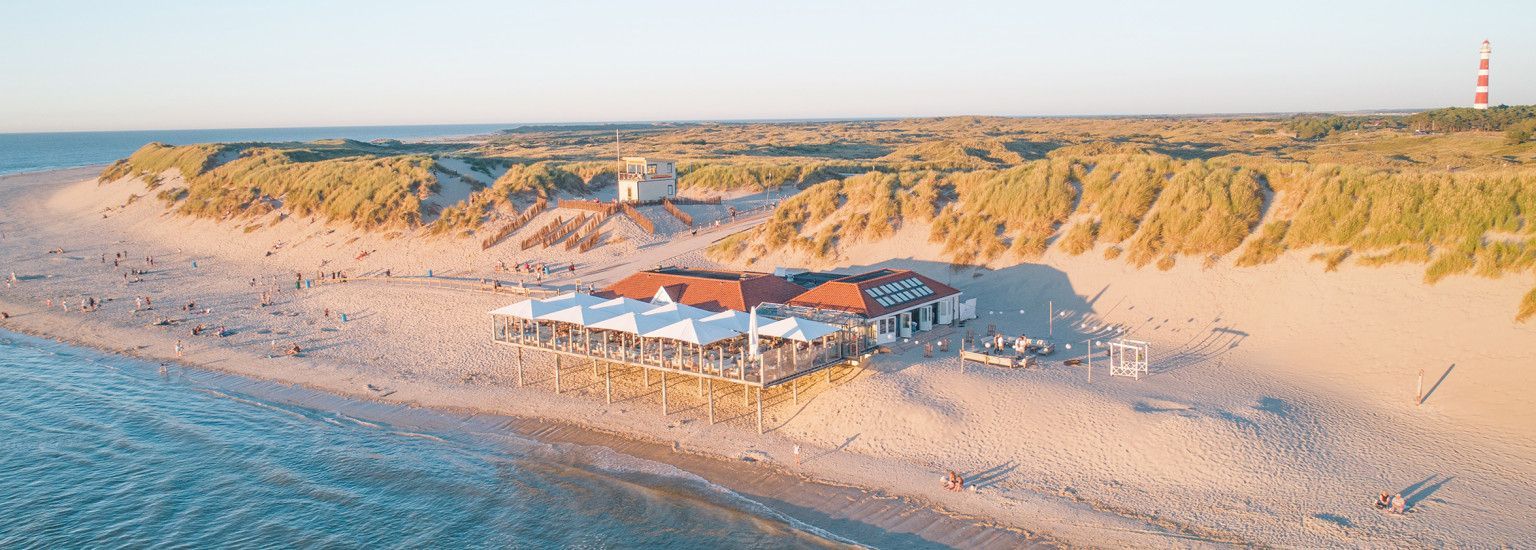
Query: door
(904, 327)
(925, 318)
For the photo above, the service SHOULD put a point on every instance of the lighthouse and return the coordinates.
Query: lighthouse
(1481, 102)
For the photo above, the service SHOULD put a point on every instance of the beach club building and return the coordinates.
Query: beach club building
(886, 304)
(646, 180)
(894, 303)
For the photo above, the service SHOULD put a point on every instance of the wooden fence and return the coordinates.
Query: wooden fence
(604, 208)
(543, 234)
(640, 219)
(514, 224)
(677, 212)
(584, 232)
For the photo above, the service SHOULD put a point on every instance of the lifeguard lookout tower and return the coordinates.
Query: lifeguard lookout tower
(646, 179)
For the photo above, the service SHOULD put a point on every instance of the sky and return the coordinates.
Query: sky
(73, 66)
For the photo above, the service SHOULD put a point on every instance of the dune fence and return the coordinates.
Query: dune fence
(677, 212)
(514, 224)
(640, 219)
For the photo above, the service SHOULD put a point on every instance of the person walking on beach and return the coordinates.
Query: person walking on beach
(178, 348)
(797, 455)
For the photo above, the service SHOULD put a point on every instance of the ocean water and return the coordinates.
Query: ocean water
(51, 151)
(99, 450)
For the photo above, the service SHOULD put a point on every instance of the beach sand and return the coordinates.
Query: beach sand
(1281, 398)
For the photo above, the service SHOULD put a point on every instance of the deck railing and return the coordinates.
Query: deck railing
(779, 361)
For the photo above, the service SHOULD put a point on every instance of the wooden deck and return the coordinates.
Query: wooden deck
(778, 366)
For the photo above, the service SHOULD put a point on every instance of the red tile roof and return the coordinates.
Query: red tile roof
(707, 289)
(849, 293)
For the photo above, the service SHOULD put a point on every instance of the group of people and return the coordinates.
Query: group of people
(87, 304)
(540, 269)
(1392, 504)
(953, 482)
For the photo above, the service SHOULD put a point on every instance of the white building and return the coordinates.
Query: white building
(646, 180)
(894, 303)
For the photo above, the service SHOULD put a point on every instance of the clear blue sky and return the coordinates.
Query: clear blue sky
(210, 64)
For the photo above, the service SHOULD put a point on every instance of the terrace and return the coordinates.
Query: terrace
(675, 339)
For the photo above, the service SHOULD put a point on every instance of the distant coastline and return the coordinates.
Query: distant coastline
(23, 153)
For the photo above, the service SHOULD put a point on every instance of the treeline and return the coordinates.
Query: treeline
(1462, 119)
(1314, 127)
(1518, 122)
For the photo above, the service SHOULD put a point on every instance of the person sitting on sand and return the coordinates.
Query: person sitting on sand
(1399, 506)
(5, 315)
(294, 351)
(1383, 501)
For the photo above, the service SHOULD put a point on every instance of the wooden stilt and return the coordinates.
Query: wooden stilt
(557, 373)
(795, 388)
(759, 410)
(711, 401)
(663, 393)
(746, 395)
(519, 366)
(608, 379)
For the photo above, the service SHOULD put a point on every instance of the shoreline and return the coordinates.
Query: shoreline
(797, 496)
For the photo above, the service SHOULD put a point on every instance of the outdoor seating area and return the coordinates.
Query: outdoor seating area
(673, 337)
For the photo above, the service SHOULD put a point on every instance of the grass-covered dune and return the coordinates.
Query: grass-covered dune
(1448, 188)
(1146, 208)
(357, 183)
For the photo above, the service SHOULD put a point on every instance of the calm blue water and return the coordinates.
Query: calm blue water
(104, 451)
(51, 151)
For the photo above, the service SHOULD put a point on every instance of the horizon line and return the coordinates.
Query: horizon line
(765, 120)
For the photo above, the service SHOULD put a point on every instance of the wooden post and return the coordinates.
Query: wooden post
(1420, 399)
(519, 366)
(608, 378)
(557, 372)
(759, 411)
(711, 401)
(795, 388)
(1050, 324)
(663, 393)
(746, 395)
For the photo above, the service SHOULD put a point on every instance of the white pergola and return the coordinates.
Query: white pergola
(1128, 358)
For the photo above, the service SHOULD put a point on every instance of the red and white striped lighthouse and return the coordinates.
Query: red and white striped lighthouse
(1481, 102)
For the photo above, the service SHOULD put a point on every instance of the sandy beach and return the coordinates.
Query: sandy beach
(1281, 400)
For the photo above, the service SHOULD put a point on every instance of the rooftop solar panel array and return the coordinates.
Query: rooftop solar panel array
(899, 292)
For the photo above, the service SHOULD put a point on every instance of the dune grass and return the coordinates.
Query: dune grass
(1527, 307)
(154, 158)
(1267, 247)
(722, 177)
(1207, 208)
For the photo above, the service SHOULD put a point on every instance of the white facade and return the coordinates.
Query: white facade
(646, 180)
(919, 317)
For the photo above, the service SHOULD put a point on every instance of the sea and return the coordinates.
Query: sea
(35, 152)
(106, 451)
